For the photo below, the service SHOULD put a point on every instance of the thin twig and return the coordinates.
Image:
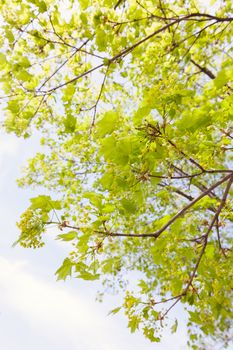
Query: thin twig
(218, 234)
(226, 133)
(98, 99)
(67, 60)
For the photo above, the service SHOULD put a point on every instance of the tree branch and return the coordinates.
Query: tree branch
(163, 228)
(182, 211)
(118, 4)
(132, 47)
(204, 70)
(205, 240)
(222, 204)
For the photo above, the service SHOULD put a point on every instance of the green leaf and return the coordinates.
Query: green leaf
(174, 327)
(84, 4)
(23, 75)
(101, 39)
(107, 124)
(221, 79)
(88, 276)
(69, 92)
(114, 311)
(13, 106)
(24, 62)
(210, 251)
(3, 59)
(70, 124)
(9, 35)
(42, 6)
(82, 245)
(111, 265)
(45, 203)
(134, 323)
(128, 205)
(149, 333)
(65, 270)
(94, 198)
(68, 236)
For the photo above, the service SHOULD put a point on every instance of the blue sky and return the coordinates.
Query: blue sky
(36, 311)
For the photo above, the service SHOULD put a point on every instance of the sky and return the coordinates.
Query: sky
(38, 312)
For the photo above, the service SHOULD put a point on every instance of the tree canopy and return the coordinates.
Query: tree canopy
(133, 102)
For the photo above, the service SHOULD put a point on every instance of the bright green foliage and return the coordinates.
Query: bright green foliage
(32, 223)
(31, 227)
(133, 100)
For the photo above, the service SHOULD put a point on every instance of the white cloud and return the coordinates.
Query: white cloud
(8, 145)
(63, 316)
(55, 309)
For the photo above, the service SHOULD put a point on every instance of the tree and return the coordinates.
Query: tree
(133, 103)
